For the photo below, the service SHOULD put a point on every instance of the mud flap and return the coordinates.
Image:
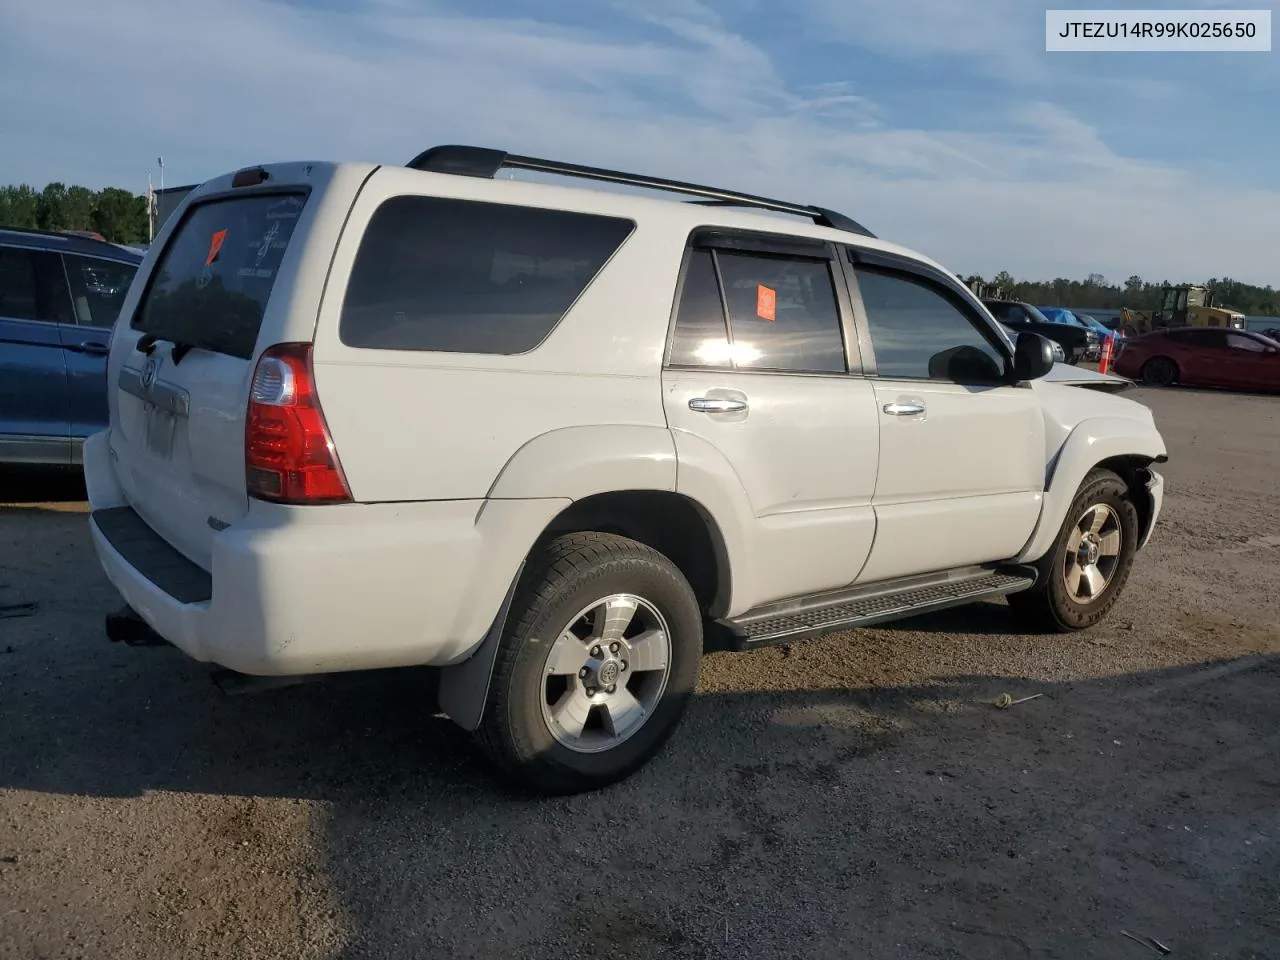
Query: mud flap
(464, 687)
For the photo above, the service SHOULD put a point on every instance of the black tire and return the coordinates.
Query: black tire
(563, 577)
(1160, 372)
(1049, 605)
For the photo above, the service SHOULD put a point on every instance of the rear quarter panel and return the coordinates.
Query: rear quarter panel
(414, 425)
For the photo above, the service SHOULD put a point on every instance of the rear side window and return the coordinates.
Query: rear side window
(461, 276)
(211, 286)
(18, 285)
(98, 288)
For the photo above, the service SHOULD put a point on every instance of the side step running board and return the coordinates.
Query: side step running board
(797, 620)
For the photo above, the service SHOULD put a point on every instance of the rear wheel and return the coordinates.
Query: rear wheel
(597, 664)
(1081, 577)
(1160, 372)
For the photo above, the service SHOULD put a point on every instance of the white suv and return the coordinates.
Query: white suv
(557, 441)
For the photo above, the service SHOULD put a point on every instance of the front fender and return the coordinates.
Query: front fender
(1090, 443)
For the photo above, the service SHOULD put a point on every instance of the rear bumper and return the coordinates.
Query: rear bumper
(303, 590)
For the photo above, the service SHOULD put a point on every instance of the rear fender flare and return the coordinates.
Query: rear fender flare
(578, 462)
(1090, 443)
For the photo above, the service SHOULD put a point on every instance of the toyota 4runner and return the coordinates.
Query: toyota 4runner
(557, 441)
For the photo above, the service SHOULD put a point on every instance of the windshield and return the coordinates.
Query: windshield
(211, 286)
(1036, 314)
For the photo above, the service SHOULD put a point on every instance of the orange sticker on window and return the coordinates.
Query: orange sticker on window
(215, 244)
(766, 302)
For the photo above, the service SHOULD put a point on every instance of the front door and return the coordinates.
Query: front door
(962, 452)
(759, 401)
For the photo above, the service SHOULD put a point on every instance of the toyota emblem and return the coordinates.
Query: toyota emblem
(149, 372)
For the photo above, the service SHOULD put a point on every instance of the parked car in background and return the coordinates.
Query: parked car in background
(1022, 317)
(1202, 357)
(59, 297)
(1104, 332)
(1093, 347)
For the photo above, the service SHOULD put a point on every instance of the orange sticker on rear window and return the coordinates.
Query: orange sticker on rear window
(766, 302)
(215, 244)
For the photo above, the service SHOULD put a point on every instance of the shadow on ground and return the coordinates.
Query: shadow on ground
(40, 485)
(896, 822)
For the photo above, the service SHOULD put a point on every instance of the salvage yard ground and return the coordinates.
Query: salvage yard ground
(857, 796)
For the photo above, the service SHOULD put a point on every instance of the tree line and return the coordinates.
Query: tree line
(118, 215)
(1095, 292)
(121, 217)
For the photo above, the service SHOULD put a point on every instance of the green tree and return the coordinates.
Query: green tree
(120, 216)
(53, 212)
(80, 203)
(19, 207)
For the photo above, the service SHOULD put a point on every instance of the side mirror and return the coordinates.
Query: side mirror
(1032, 356)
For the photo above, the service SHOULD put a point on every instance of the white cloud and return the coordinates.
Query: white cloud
(216, 86)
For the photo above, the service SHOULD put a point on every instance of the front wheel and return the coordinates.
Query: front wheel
(598, 661)
(1081, 577)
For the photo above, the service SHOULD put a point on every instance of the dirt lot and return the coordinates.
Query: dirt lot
(856, 796)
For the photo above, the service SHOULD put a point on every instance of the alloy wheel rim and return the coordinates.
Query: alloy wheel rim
(605, 673)
(1092, 554)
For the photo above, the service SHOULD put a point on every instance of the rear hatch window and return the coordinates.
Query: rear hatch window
(211, 286)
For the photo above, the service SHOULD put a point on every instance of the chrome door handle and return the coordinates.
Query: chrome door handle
(717, 405)
(904, 409)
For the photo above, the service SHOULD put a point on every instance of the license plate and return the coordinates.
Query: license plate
(160, 425)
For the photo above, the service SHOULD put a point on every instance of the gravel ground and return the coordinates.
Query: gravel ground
(853, 796)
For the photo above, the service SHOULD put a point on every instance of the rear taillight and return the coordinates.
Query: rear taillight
(288, 453)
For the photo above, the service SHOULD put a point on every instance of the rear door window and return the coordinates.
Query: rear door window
(18, 285)
(98, 288)
(462, 276)
(211, 286)
(32, 286)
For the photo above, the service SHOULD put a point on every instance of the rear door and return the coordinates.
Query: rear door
(1204, 357)
(962, 467)
(756, 380)
(180, 370)
(33, 375)
(97, 291)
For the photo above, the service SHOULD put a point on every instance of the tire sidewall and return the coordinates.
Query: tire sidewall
(1111, 491)
(660, 584)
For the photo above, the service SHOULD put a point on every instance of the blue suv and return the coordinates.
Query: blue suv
(59, 298)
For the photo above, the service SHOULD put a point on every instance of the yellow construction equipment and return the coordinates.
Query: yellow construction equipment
(1183, 305)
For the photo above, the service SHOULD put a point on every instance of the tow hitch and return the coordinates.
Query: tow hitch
(125, 626)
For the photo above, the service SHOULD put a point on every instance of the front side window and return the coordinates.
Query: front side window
(462, 276)
(919, 334)
(98, 288)
(1237, 342)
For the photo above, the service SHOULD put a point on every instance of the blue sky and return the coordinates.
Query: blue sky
(941, 124)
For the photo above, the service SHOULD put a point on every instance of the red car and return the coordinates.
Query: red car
(1202, 357)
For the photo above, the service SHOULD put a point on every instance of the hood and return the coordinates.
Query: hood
(1089, 379)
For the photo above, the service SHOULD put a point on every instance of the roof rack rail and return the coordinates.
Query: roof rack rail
(485, 163)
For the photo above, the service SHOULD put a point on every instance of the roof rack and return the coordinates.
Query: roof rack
(485, 163)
